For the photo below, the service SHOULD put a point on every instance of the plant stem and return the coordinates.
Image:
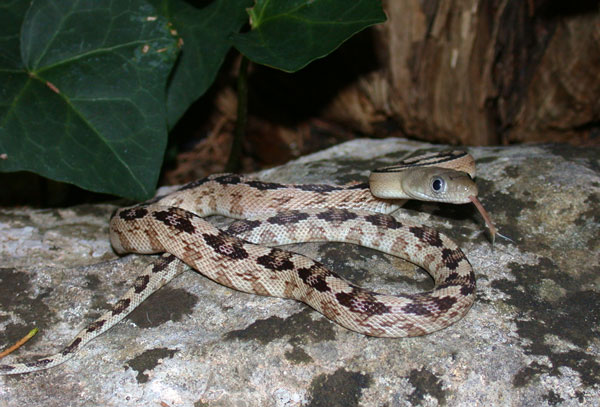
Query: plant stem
(19, 343)
(233, 162)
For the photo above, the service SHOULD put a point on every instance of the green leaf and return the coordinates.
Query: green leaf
(205, 34)
(83, 92)
(288, 35)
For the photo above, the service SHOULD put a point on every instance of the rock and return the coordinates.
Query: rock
(530, 339)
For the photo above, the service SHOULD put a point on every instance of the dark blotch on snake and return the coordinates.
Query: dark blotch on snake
(120, 306)
(385, 221)
(452, 258)
(466, 284)
(444, 303)
(314, 277)
(176, 218)
(228, 179)
(94, 326)
(416, 308)
(72, 347)
(265, 186)
(162, 263)
(324, 188)
(452, 279)
(38, 363)
(362, 302)
(469, 288)
(276, 260)
(362, 185)
(337, 215)
(226, 245)
(141, 283)
(133, 213)
(195, 184)
(287, 217)
(242, 226)
(426, 235)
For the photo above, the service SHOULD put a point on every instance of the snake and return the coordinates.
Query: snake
(246, 255)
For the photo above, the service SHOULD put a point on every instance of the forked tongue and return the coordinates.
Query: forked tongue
(486, 217)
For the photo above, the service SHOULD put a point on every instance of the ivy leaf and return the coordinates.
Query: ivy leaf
(83, 92)
(205, 33)
(288, 35)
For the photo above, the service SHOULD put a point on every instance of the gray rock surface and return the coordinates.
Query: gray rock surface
(531, 339)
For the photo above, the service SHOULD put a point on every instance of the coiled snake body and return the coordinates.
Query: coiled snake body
(276, 214)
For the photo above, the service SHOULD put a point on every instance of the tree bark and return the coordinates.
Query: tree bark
(481, 73)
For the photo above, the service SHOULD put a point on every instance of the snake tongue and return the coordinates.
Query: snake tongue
(486, 217)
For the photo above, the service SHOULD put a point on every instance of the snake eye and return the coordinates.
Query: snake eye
(438, 184)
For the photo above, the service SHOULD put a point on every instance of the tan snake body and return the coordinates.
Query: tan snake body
(277, 214)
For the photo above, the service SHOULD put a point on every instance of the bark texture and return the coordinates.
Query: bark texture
(481, 72)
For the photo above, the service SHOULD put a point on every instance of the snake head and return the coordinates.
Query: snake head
(425, 184)
(439, 185)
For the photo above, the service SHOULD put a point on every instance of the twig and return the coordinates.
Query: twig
(19, 343)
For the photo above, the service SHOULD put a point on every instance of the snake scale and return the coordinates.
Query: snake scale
(243, 257)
